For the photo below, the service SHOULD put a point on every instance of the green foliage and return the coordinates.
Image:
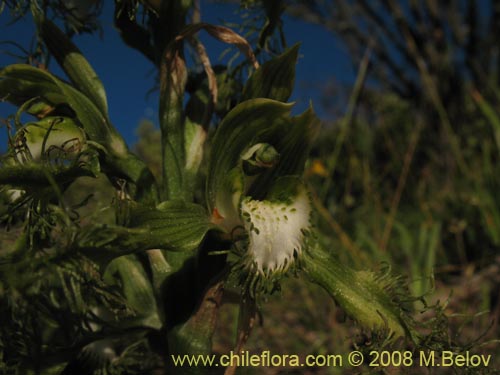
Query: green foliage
(120, 292)
(272, 80)
(71, 60)
(148, 147)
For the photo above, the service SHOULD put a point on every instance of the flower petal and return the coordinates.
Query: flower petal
(276, 231)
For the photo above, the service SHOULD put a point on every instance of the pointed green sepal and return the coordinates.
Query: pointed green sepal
(258, 125)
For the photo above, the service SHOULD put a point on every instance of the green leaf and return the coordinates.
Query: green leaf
(18, 85)
(173, 78)
(71, 60)
(174, 226)
(274, 79)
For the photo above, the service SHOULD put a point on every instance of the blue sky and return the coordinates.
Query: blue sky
(128, 77)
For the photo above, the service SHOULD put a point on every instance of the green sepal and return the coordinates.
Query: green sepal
(239, 130)
(71, 60)
(275, 78)
(252, 122)
(368, 298)
(39, 139)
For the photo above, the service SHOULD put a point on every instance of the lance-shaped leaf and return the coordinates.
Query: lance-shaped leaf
(20, 83)
(368, 298)
(71, 60)
(195, 137)
(173, 79)
(274, 79)
(36, 176)
(175, 226)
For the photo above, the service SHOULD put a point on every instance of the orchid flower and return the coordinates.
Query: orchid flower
(254, 186)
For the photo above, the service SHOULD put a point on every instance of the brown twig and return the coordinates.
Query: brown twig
(248, 312)
(212, 80)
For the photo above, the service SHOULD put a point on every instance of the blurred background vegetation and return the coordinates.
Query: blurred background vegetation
(408, 175)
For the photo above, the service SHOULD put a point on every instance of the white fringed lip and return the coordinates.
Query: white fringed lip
(276, 231)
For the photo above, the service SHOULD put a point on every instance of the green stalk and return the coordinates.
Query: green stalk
(369, 299)
(195, 335)
(173, 78)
